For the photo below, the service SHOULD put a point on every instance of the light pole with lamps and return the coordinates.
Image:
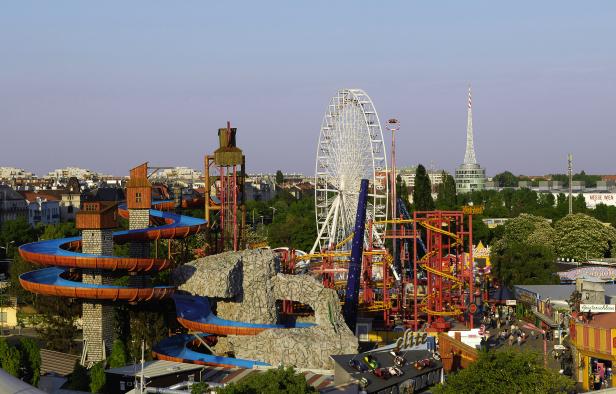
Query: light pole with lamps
(273, 213)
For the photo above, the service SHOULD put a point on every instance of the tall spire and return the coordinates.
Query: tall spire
(469, 156)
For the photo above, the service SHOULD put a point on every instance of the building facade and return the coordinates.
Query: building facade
(12, 205)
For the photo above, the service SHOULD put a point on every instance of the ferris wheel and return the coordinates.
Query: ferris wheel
(351, 148)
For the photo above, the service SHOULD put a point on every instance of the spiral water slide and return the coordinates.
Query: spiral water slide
(61, 256)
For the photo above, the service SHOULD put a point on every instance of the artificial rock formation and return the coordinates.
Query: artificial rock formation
(218, 276)
(246, 286)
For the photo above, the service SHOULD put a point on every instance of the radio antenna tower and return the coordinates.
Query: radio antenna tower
(570, 172)
(469, 156)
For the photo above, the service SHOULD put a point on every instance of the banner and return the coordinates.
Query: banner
(511, 302)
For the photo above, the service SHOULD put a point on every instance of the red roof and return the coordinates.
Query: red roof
(31, 196)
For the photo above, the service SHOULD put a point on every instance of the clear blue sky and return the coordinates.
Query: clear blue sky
(107, 85)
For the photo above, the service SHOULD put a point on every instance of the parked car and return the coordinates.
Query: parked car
(421, 364)
(395, 371)
(358, 365)
(371, 361)
(382, 373)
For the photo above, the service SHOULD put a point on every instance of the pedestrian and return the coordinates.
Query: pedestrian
(520, 340)
(511, 340)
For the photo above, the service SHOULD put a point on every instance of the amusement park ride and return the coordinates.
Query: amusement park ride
(427, 280)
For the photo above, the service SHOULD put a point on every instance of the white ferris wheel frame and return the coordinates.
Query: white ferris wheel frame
(351, 137)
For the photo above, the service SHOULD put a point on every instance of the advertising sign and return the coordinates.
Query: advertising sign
(472, 209)
(510, 302)
(597, 308)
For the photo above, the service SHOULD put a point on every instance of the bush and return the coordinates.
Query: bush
(79, 379)
(118, 357)
(10, 358)
(506, 372)
(97, 377)
(31, 360)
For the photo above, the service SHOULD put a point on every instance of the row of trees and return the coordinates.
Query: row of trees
(507, 179)
(527, 246)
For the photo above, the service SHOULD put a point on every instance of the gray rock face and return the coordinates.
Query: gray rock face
(256, 302)
(249, 284)
(299, 347)
(217, 276)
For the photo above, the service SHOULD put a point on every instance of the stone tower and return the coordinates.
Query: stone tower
(469, 175)
(139, 201)
(96, 219)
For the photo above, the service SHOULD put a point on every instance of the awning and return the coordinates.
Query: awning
(547, 320)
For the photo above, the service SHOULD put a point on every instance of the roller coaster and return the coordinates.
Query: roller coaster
(439, 274)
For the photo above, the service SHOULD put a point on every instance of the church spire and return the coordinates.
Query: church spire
(469, 156)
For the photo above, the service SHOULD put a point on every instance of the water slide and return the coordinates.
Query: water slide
(195, 313)
(61, 255)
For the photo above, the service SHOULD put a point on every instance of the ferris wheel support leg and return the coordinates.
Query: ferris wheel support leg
(329, 214)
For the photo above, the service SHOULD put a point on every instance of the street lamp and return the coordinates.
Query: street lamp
(273, 213)
(6, 248)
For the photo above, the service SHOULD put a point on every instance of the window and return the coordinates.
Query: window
(3, 317)
(138, 197)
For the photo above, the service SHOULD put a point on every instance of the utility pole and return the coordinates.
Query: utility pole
(570, 169)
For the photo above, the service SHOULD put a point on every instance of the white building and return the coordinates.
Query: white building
(407, 175)
(14, 173)
(183, 173)
(43, 211)
(68, 172)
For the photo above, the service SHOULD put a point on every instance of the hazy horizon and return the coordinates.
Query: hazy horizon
(106, 86)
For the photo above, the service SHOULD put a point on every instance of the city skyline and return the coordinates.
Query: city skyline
(164, 79)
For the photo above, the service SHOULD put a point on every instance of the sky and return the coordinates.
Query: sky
(109, 85)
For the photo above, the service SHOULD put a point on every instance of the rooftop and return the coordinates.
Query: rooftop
(154, 369)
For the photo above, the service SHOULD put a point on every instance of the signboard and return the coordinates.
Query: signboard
(510, 302)
(411, 339)
(472, 209)
(596, 308)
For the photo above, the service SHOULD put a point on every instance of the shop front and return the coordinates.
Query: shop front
(595, 348)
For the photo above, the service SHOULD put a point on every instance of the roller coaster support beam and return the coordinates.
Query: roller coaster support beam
(351, 297)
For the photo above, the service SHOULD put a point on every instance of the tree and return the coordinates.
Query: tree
(97, 377)
(402, 192)
(79, 378)
(118, 357)
(16, 232)
(30, 360)
(280, 380)
(506, 372)
(446, 197)
(279, 177)
(422, 192)
(505, 179)
(58, 322)
(524, 253)
(60, 230)
(521, 264)
(199, 388)
(579, 204)
(580, 237)
(17, 267)
(10, 358)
